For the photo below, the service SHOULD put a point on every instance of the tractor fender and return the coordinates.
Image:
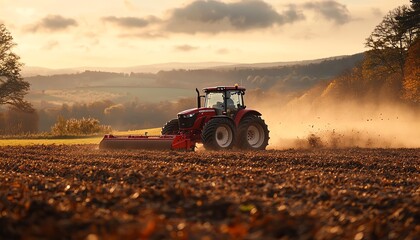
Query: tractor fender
(241, 114)
(222, 116)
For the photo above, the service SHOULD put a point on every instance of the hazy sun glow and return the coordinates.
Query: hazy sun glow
(60, 34)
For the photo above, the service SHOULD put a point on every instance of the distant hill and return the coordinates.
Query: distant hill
(280, 77)
(29, 71)
(120, 87)
(282, 64)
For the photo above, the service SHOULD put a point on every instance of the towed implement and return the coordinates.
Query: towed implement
(146, 142)
(222, 123)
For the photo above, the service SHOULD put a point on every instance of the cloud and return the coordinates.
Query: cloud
(53, 23)
(306, 34)
(222, 51)
(212, 16)
(144, 35)
(216, 16)
(376, 12)
(330, 10)
(293, 13)
(185, 48)
(129, 5)
(131, 22)
(50, 45)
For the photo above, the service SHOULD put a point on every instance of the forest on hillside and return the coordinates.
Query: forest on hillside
(294, 77)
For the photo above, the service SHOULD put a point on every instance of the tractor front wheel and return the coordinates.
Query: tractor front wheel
(171, 127)
(218, 134)
(252, 133)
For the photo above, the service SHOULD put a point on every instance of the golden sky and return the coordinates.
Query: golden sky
(122, 33)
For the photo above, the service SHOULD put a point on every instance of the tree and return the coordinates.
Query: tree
(411, 20)
(389, 42)
(12, 86)
(411, 83)
(74, 127)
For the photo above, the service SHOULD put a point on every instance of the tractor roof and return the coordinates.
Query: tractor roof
(223, 88)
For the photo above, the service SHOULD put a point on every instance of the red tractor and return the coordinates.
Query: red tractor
(223, 123)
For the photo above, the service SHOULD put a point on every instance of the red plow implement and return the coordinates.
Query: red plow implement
(169, 142)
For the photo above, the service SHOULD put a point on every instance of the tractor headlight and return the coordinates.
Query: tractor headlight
(189, 115)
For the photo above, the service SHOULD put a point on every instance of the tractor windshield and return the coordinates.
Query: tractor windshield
(237, 99)
(214, 100)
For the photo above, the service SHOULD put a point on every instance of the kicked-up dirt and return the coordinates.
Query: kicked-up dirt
(80, 192)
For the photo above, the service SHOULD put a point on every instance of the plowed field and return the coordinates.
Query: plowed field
(80, 192)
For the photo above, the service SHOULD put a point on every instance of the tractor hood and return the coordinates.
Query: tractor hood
(187, 118)
(192, 111)
(188, 111)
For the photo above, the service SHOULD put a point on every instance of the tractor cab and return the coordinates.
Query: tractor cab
(225, 100)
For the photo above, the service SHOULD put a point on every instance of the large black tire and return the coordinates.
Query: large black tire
(253, 133)
(171, 127)
(218, 134)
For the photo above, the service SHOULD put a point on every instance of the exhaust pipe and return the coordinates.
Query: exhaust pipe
(198, 98)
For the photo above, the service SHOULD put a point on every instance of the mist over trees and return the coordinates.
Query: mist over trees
(121, 116)
(14, 122)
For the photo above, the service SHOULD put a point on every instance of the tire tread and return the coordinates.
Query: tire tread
(209, 130)
(242, 142)
(171, 127)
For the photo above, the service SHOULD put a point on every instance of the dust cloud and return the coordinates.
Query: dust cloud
(330, 124)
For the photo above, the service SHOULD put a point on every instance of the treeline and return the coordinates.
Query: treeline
(122, 116)
(282, 78)
(14, 122)
(125, 116)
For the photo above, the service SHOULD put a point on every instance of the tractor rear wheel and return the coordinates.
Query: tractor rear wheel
(252, 133)
(218, 134)
(171, 127)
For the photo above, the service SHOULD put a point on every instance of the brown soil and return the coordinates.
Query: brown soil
(80, 192)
